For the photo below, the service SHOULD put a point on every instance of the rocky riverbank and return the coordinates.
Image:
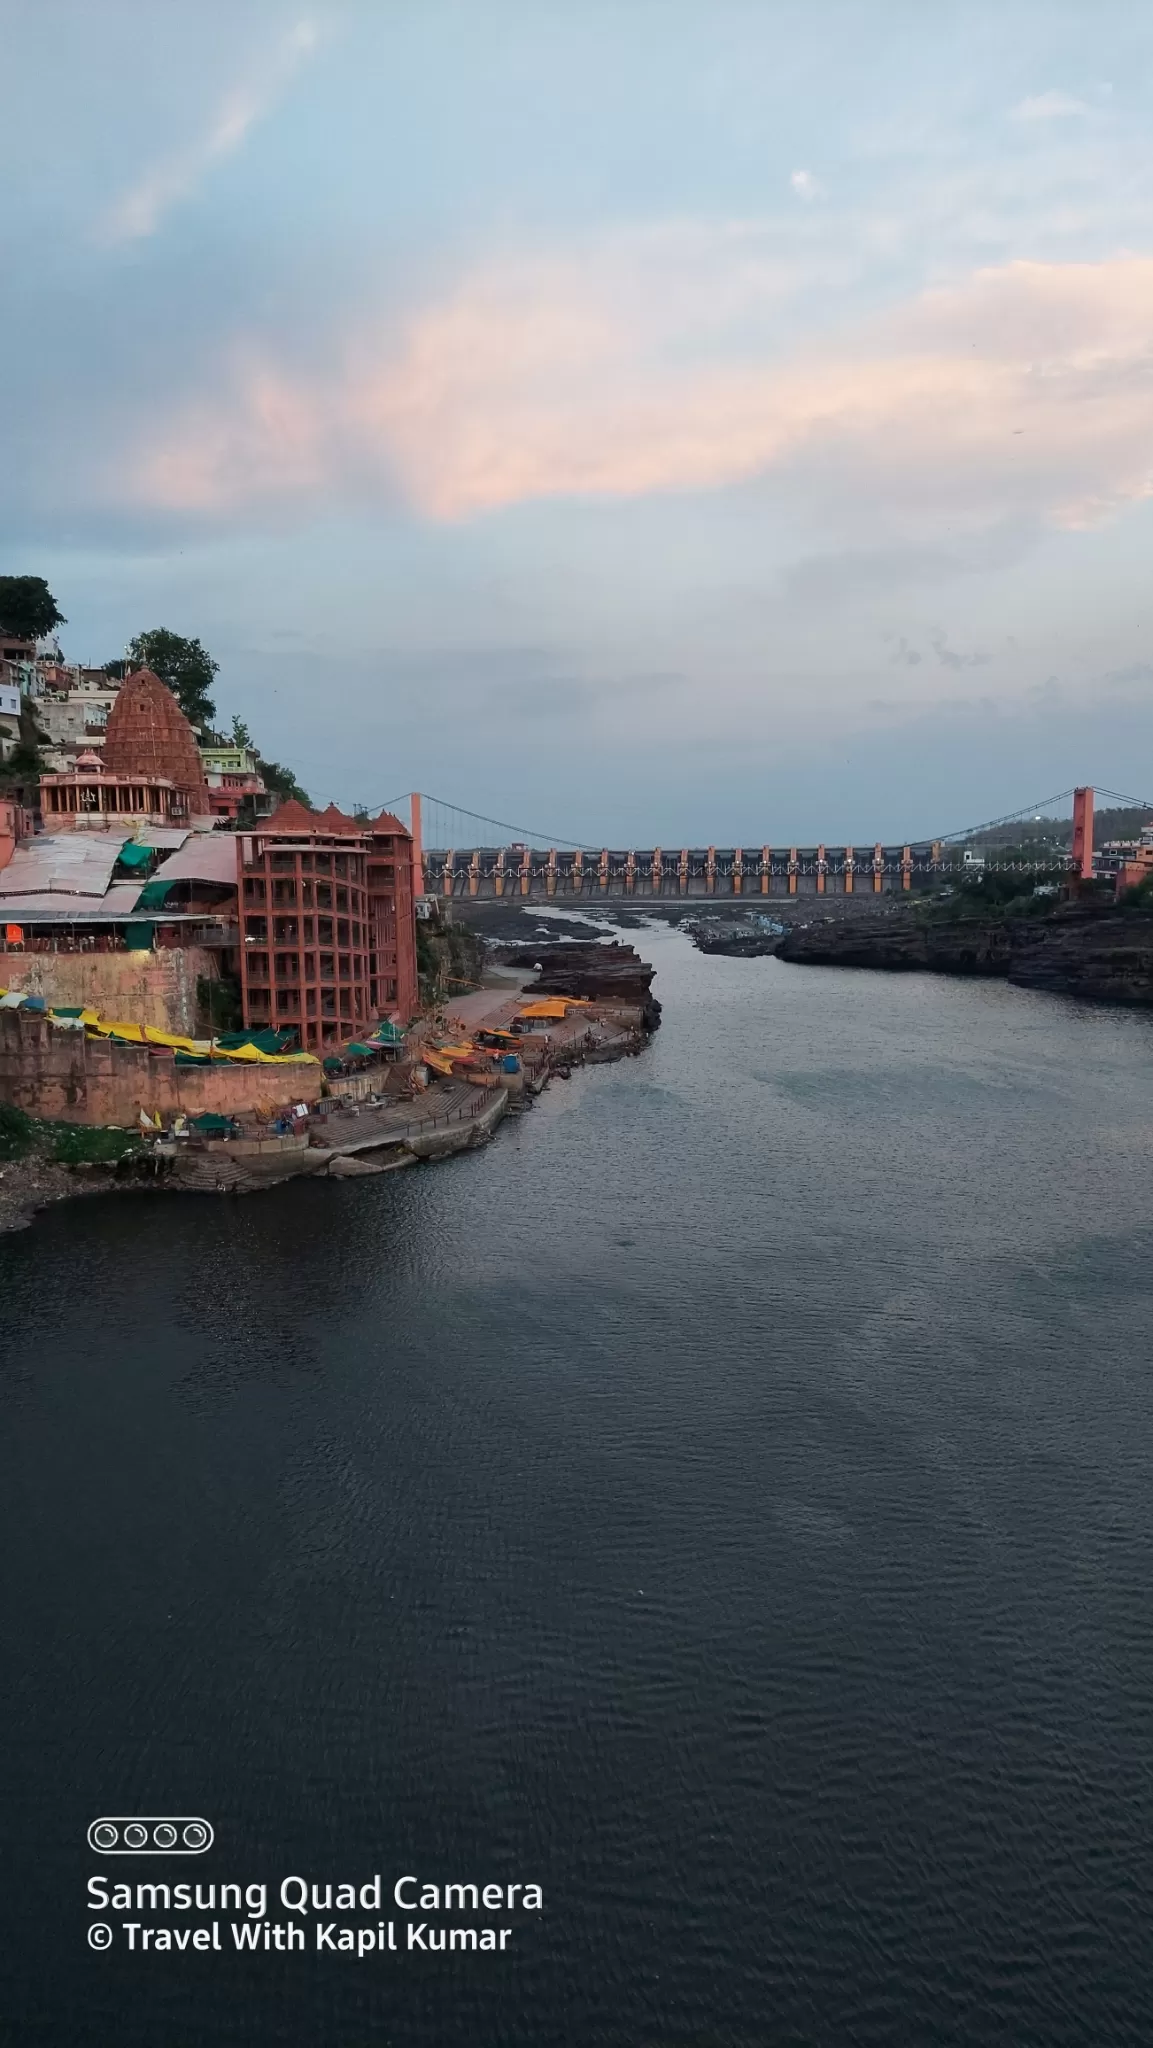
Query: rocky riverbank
(1080, 950)
(611, 974)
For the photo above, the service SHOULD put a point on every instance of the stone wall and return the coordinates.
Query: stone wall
(64, 1075)
(135, 988)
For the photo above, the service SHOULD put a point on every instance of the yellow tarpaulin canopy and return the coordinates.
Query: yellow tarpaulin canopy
(171, 1041)
(549, 1006)
(175, 1042)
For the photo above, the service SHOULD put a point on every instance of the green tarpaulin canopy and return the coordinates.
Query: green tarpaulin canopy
(357, 1051)
(387, 1034)
(138, 938)
(152, 895)
(264, 1041)
(332, 1065)
(209, 1124)
(133, 855)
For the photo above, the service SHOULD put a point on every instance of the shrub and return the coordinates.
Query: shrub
(78, 1144)
(15, 1131)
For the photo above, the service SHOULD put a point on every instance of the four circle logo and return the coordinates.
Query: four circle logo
(150, 1835)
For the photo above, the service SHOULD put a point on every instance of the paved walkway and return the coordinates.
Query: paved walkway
(355, 1130)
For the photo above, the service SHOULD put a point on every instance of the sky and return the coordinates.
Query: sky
(638, 422)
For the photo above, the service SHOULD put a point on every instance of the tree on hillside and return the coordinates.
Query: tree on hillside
(25, 764)
(186, 667)
(27, 607)
(241, 737)
(283, 782)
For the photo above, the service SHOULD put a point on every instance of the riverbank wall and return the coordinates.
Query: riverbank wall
(64, 1075)
(157, 988)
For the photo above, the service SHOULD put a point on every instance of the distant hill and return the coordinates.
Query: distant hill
(1118, 822)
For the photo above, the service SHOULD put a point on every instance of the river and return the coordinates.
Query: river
(726, 1501)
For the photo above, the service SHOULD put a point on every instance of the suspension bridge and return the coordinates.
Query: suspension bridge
(462, 853)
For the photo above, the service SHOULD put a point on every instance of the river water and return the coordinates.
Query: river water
(725, 1501)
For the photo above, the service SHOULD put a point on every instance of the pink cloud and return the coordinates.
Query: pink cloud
(1025, 389)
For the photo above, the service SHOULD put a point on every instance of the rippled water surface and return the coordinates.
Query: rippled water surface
(726, 1500)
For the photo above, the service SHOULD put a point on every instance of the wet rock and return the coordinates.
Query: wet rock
(1099, 953)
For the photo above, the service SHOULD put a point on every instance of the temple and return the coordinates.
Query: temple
(150, 771)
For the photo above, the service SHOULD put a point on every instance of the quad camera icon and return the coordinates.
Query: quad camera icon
(150, 1835)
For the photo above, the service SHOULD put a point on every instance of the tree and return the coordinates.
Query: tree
(283, 782)
(241, 737)
(28, 609)
(186, 667)
(25, 765)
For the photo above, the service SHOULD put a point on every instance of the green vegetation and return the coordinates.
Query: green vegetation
(1030, 838)
(996, 894)
(64, 1144)
(16, 1131)
(449, 959)
(1121, 822)
(218, 1002)
(87, 1144)
(186, 667)
(1001, 887)
(1139, 897)
(28, 609)
(283, 782)
(24, 764)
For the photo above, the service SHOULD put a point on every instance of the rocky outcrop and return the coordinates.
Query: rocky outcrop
(1109, 958)
(613, 973)
(1101, 954)
(736, 939)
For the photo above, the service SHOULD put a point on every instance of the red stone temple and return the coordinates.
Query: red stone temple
(150, 770)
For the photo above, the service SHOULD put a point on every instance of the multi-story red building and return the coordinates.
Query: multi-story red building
(393, 892)
(327, 931)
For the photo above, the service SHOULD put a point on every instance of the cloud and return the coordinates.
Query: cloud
(907, 656)
(140, 210)
(951, 657)
(1050, 106)
(1022, 394)
(804, 185)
